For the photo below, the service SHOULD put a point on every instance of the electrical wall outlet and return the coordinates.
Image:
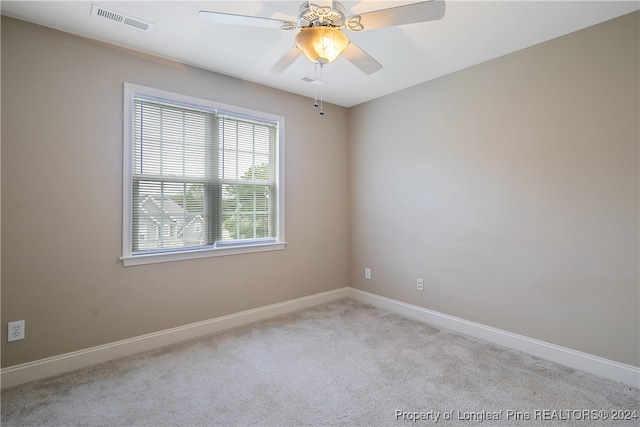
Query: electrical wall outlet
(16, 331)
(367, 273)
(420, 284)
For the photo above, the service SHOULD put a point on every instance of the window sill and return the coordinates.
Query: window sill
(154, 258)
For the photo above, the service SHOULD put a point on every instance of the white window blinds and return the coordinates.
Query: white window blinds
(200, 178)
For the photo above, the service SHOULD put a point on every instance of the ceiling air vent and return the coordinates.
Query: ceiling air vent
(120, 18)
(308, 79)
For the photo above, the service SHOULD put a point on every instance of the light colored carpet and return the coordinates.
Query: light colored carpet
(342, 363)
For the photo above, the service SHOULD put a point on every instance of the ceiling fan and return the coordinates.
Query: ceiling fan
(321, 38)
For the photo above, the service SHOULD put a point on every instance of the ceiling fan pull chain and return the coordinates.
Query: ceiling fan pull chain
(321, 80)
(315, 85)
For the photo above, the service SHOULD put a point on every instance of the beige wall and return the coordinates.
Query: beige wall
(512, 188)
(62, 200)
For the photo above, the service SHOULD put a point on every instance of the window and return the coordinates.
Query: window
(206, 177)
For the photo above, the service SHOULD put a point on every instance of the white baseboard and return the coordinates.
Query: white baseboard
(39, 369)
(44, 368)
(615, 371)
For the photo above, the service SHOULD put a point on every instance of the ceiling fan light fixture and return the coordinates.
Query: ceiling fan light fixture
(322, 44)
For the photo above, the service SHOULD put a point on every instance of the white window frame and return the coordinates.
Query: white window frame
(128, 258)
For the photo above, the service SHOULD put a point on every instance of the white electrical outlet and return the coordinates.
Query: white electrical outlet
(367, 273)
(16, 331)
(420, 284)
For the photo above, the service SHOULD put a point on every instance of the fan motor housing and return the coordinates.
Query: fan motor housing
(311, 15)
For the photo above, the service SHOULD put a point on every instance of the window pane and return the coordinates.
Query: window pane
(168, 215)
(170, 141)
(245, 152)
(247, 211)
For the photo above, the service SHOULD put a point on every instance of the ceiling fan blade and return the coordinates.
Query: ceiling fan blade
(361, 59)
(408, 14)
(284, 62)
(251, 21)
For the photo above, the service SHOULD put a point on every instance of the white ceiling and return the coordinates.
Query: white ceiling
(470, 33)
